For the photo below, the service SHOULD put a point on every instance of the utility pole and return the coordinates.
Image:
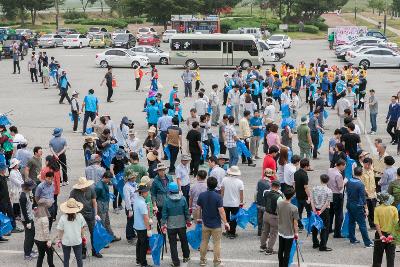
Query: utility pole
(355, 12)
(384, 18)
(57, 13)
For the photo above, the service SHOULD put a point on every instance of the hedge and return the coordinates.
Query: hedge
(118, 23)
(311, 29)
(321, 25)
(73, 14)
(8, 23)
(293, 28)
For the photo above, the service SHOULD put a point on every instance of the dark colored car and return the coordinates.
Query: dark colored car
(376, 34)
(124, 40)
(149, 39)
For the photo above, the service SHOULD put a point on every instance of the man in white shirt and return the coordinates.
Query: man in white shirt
(341, 105)
(216, 172)
(214, 102)
(234, 101)
(182, 176)
(269, 112)
(288, 172)
(201, 105)
(232, 189)
(285, 97)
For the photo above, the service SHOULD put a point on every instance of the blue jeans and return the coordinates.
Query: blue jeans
(356, 214)
(372, 117)
(233, 156)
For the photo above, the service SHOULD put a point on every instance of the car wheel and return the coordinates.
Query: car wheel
(245, 64)
(135, 63)
(164, 61)
(191, 64)
(276, 57)
(65, 47)
(103, 64)
(92, 47)
(55, 45)
(40, 46)
(365, 63)
(80, 45)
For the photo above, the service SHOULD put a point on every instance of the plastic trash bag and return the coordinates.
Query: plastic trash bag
(290, 154)
(108, 154)
(320, 139)
(5, 224)
(252, 213)
(308, 222)
(216, 146)
(156, 245)
(276, 93)
(241, 148)
(348, 171)
(330, 99)
(101, 238)
(89, 130)
(228, 110)
(4, 120)
(318, 223)
(194, 236)
(345, 226)
(112, 196)
(294, 201)
(205, 151)
(288, 122)
(292, 252)
(167, 152)
(326, 114)
(285, 111)
(72, 118)
(241, 218)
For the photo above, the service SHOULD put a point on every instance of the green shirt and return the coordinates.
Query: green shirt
(394, 190)
(149, 203)
(302, 134)
(102, 192)
(137, 167)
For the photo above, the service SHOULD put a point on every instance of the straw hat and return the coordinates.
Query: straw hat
(151, 156)
(152, 129)
(71, 206)
(234, 171)
(130, 174)
(160, 166)
(83, 183)
(145, 180)
(143, 188)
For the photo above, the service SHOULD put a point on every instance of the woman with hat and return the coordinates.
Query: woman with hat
(117, 166)
(152, 142)
(153, 161)
(42, 232)
(129, 198)
(75, 110)
(25, 201)
(71, 230)
(15, 182)
(132, 142)
(122, 132)
(89, 148)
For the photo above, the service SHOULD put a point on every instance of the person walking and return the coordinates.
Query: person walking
(58, 147)
(138, 74)
(94, 171)
(71, 230)
(46, 75)
(357, 208)
(231, 139)
(43, 240)
(175, 220)
(245, 136)
(32, 67)
(136, 166)
(130, 196)
(212, 213)
(16, 66)
(174, 142)
(75, 110)
(64, 86)
(187, 77)
(108, 78)
(303, 194)
(15, 182)
(233, 102)
(341, 105)
(183, 176)
(392, 117)
(373, 111)
(368, 179)
(304, 138)
(214, 103)
(90, 107)
(195, 147)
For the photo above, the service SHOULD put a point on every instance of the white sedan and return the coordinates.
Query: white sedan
(75, 40)
(374, 57)
(118, 57)
(280, 40)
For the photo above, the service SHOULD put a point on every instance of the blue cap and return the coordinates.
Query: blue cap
(173, 187)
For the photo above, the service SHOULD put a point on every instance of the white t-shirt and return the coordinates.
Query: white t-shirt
(72, 230)
(232, 187)
(288, 173)
(201, 106)
(218, 173)
(269, 112)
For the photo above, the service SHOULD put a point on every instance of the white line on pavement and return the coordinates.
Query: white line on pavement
(304, 264)
(371, 146)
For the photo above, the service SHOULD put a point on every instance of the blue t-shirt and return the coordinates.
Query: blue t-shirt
(256, 121)
(139, 209)
(152, 114)
(90, 103)
(210, 202)
(57, 144)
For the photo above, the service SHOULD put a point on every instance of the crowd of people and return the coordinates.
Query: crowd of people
(203, 183)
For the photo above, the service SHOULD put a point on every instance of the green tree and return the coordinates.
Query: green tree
(396, 6)
(9, 9)
(85, 4)
(311, 9)
(132, 7)
(33, 6)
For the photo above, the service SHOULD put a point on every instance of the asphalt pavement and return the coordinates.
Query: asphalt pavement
(36, 112)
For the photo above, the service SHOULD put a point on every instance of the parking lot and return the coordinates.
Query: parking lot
(36, 112)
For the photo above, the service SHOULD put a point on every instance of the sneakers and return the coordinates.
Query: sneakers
(262, 249)
(355, 242)
(185, 260)
(97, 255)
(325, 249)
(2, 239)
(34, 255)
(370, 246)
(203, 263)
(17, 230)
(270, 252)
(372, 133)
(28, 258)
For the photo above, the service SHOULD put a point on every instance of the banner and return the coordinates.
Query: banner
(347, 34)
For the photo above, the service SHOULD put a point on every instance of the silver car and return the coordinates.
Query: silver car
(50, 40)
(155, 55)
(374, 57)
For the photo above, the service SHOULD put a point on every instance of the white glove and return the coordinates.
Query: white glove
(29, 225)
(97, 218)
(149, 233)
(150, 221)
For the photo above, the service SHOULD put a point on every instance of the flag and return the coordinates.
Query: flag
(194, 236)
(156, 245)
(101, 238)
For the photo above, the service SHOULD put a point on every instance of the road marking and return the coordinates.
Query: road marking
(371, 146)
(305, 264)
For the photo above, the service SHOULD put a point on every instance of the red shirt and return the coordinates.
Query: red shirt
(56, 181)
(269, 163)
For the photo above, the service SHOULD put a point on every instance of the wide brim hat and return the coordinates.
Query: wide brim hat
(90, 139)
(14, 162)
(150, 156)
(57, 132)
(145, 180)
(152, 129)
(130, 174)
(234, 171)
(186, 158)
(143, 188)
(160, 166)
(223, 156)
(71, 206)
(83, 183)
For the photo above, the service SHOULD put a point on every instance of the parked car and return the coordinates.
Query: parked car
(234, 32)
(271, 53)
(155, 55)
(118, 57)
(149, 39)
(376, 34)
(75, 40)
(375, 57)
(101, 40)
(359, 41)
(167, 34)
(65, 31)
(50, 40)
(256, 32)
(280, 40)
(360, 48)
(145, 31)
(95, 30)
(118, 31)
(124, 40)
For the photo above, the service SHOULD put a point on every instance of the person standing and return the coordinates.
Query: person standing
(182, 176)
(288, 216)
(214, 103)
(378, 163)
(58, 147)
(75, 110)
(245, 136)
(108, 78)
(336, 185)
(216, 171)
(357, 208)
(304, 137)
(32, 67)
(138, 74)
(42, 233)
(303, 193)
(341, 105)
(232, 189)
(385, 218)
(90, 105)
(368, 180)
(233, 102)
(187, 78)
(351, 141)
(195, 147)
(392, 117)
(16, 66)
(34, 165)
(71, 230)
(64, 85)
(231, 139)
(15, 182)
(221, 133)
(163, 123)
(315, 128)
(130, 195)
(321, 198)
(212, 213)
(46, 76)
(269, 161)
(373, 111)
(25, 201)
(201, 104)
(136, 166)
(175, 220)
(174, 142)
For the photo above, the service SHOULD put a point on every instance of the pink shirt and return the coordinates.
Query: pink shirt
(273, 139)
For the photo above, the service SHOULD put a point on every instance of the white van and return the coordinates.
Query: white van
(256, 32)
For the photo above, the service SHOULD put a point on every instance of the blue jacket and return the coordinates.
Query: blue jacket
(325, 84)
(393, 112)
(159, 191)
(175, 211)
(355, 190)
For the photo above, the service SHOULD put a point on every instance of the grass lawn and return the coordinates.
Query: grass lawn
(362, 5)
(304, 35)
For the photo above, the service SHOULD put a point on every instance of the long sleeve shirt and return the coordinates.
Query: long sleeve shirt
(26, 207)
(355, 190)
(393, 112)
(336, 183)
(244, 128)
(368, 179)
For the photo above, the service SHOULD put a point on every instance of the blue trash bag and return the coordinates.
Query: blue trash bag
(348, 171)
(101, 238)
(156, 245)
(216, 146)
(241, 148)
(330, 99)
(285, 111)
(89, 130)
(276, 93)
(292, 252)
(252, 213)
(167, 152)
(72, 118)
(141, 153)
(290, 155)
(209, 109)
(326, 114)
(108, 154)
(241, 218)
(194, 236)
(4, 120)
(311, 114)
(5, 225)
(205, 151)
(308, 222)
(228, 110)
(288, 122)
(294, 201)
(345, 226)
(112, 196)
(318, 223)
(320, 139)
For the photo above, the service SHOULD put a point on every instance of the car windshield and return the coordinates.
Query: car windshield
(72, 36)
(47, 36)
(276, 38)
(143, 30)
(98, 37)
(121, 37)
